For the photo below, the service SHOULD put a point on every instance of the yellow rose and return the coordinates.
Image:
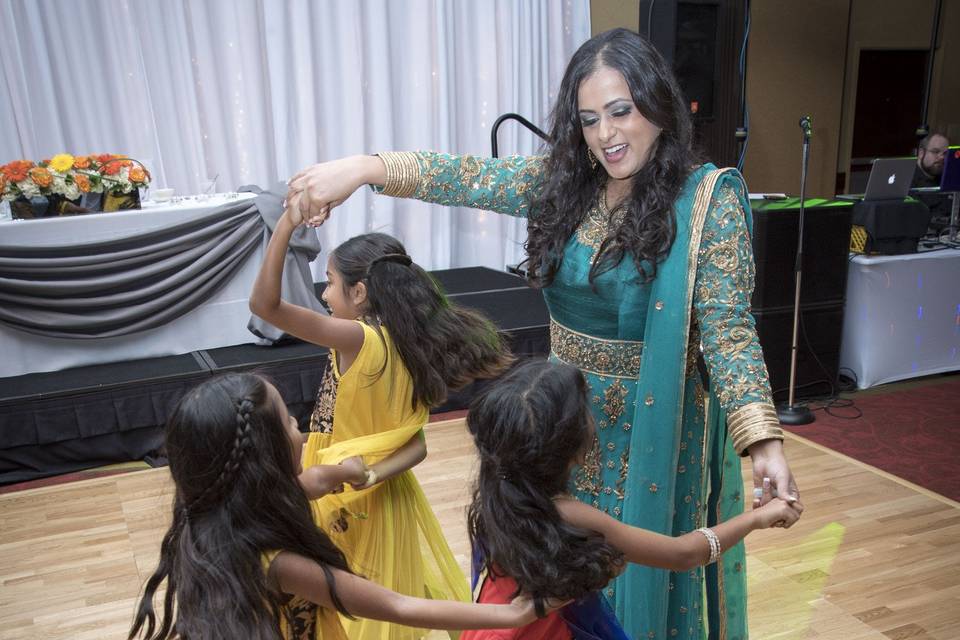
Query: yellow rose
(62, 162)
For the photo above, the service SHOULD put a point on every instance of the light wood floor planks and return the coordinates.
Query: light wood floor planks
(872, 558)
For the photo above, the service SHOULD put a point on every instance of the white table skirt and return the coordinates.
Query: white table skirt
(902, 317)
(219, 322)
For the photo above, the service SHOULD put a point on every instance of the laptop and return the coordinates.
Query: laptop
(889, 179)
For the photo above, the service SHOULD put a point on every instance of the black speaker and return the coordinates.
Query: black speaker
(702, 39)
(826, 243)
(818, 348)
(826, 246)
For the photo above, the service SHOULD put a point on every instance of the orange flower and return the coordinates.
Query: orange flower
(17, 170)
(81, 162)
(82, 182)
(3, 183)
(103, 157)
(41, 177)
(137, 174)
(111, 168)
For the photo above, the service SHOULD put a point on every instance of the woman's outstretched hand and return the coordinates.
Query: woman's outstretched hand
(770, 462)
(316, 190)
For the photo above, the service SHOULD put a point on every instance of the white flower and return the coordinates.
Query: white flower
(71, 191)
(28, 188)
(59, 184)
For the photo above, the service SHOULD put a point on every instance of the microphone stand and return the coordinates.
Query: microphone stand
(791, 413)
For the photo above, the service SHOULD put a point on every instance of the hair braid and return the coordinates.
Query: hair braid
(242, 442)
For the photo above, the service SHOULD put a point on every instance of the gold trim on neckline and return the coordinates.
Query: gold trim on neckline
(600, 356)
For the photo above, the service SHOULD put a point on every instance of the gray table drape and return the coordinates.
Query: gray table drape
(102, 289)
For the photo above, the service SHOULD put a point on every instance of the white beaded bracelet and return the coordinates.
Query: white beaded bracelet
(372, 478)
(714, 543)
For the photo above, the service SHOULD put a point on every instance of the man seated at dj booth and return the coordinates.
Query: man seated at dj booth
(931, 153)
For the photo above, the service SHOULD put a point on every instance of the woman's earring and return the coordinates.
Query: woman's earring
(593, 159)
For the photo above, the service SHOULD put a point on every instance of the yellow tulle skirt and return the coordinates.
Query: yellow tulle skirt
(388, 532)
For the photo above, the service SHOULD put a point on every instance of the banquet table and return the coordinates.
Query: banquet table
(902, 317)
(217, 317)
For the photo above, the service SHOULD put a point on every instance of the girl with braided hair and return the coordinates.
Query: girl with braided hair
(532, 428)
(242, 557)
(396, 346)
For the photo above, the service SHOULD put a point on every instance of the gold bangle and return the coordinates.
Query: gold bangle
(402, 173)
(751, 423)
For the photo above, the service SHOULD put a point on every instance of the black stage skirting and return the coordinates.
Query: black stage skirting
(64, 421)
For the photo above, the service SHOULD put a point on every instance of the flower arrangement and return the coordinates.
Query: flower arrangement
(72, 176)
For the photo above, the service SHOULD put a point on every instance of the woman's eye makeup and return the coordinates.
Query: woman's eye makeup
(619, 112)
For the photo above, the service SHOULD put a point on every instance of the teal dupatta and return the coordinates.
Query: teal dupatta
(663, 398)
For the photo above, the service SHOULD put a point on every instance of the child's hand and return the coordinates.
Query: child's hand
(292, 210)
(527, 612)
(524, 609)
(356, 471)
(779, 513)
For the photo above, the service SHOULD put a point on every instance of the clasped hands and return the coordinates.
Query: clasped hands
(315, 191)
(322, 479)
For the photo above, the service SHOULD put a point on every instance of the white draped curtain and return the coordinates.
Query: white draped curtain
(251, 91)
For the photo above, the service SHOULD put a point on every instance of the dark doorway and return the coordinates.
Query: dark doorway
(887, 111)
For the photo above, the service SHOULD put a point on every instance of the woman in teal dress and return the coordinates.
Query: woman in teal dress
(645, 262)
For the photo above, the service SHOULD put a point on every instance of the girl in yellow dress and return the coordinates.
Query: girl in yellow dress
(242, 557)
(396, 346)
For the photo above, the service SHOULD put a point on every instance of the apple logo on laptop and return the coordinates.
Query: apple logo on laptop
(892, 178)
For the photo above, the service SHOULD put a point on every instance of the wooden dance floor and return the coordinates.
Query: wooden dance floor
(872, 558)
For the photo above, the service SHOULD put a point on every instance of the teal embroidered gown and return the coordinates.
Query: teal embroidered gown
(659, 461)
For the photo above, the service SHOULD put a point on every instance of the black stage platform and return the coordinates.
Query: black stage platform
(53, 423)
(64, 421)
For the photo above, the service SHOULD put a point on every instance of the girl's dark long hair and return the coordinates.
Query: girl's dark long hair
(237, 498)
(529, 427)
(571, 186)
(443, 346)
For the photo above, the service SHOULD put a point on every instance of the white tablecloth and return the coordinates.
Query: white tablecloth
(220, 321)
(902, 317)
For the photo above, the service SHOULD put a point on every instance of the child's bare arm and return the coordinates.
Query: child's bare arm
(406, 457)
(679, 553)
(321, 479)
(305, 578)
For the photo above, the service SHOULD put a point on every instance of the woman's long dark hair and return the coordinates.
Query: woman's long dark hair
(529, 428)
(237, 498)
(571, 186)
(443, 346)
